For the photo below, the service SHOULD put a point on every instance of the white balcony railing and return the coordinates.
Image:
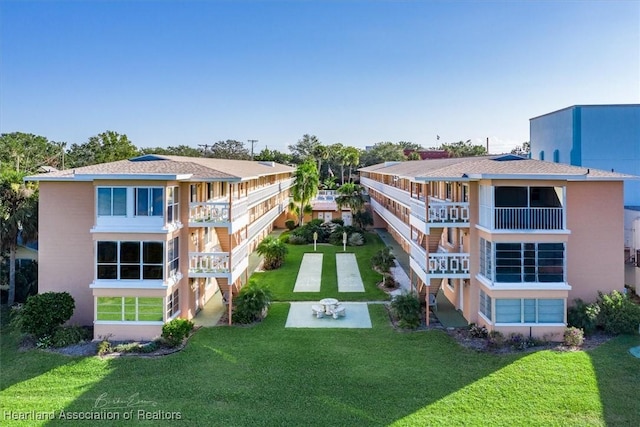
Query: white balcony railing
(208, 264)
(418, 209)
(448, 212)
(419, 255)
(390, 191)
(266, 219)
(209, 212)
(266, 192)
(448, 264)
(528, 219)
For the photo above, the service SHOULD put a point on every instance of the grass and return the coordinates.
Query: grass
(268, 375)
(282, 280)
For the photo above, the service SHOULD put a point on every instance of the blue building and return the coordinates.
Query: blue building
(601, 137)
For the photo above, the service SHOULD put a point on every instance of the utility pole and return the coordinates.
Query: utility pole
(252, 141)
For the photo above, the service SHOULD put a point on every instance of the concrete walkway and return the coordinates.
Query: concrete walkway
(309, 274)
(349, 279)
(301, 316)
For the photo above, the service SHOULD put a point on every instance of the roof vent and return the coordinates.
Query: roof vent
(147, 158)
(507, 158)
(270, 164)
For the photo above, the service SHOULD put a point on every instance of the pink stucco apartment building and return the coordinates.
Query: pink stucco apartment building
(139, 242)
(509, 241)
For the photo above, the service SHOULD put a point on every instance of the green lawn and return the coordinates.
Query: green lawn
(267, 375)
(282, 280)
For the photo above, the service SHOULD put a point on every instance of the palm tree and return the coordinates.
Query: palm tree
(321, 152)
(305, 187)
(351, 158)
(273, 250)
(18, 218)
(350, 195)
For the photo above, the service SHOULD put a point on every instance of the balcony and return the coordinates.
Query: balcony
(391, 219)
(390, 191)
(209, 264)
(268, 191)
(218, 214)
(448, 265)
(266, 219)
(528, 218)
(448, 213)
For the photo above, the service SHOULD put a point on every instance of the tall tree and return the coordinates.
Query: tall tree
(229, 149)
(351, 158)
(25, 152)
(463, 149)
(321, 152)
(382, 152)
(18, 218)
(522, 150)
(267, 155)
(305, 187)
(109, 146)
(304, 148)
(180, 150)
(350, 195)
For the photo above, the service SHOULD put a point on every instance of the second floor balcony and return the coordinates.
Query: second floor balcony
(218, 214)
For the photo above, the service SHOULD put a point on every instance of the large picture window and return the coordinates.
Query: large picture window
(529, 262)
(516, 310)
(130, 260)
(112, 201)
(149, 201)
(129, 309)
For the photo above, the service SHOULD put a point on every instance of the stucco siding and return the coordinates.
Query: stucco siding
(65, 245)
(595, 258)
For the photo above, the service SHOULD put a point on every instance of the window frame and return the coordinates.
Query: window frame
(522, 311)
(124, 315)
(142, 265)
(111, 201)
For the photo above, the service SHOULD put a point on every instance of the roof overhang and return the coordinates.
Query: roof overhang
(112, 177)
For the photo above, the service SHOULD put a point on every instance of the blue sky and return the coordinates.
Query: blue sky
(355, 72)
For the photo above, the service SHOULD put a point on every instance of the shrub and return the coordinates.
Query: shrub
(69, 335)
(290, 224)
(406, 308)
(104, 347)
(294, 239)
(495, 340)
(618, 314)
(335, 238)
(175, 331)
(476, 331)
(584, 316)
(338, 221)
(573, 337)
(251, 303)
(355, 239)
(383, 260)
(520, 342)
(42, 314)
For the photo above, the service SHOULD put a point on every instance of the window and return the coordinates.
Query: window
(129, 260)
(193, 193)
(541, 155)
(448, 190)
(173, 257)
(465, 193)
(485, 304)
(529, 310)
(112, 201)
(149, 201)
(486, 255)
(173, 304)
(529, 262)
(173, 204)
(129, 309)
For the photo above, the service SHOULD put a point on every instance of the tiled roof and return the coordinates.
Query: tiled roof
(475, 167)
(198, 168)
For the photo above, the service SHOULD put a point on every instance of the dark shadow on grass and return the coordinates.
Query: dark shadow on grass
(618, 374)
(266, 375)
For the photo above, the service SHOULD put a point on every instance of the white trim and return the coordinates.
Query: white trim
(485, 317)
(128, 323)
(527, 232)
(132, 177)
(128, 284)
(530, 325)
(531, 286)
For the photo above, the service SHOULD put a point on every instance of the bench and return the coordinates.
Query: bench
(340, 310)
(317, 310)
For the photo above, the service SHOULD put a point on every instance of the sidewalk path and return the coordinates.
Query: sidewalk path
(309, 274)
(349, 279)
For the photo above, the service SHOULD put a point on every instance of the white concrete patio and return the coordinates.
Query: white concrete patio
(349, 279)
(301, 316)
(310, 273)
